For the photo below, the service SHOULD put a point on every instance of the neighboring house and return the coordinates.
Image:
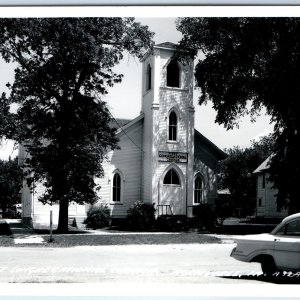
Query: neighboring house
(163, 160)
(266, 203)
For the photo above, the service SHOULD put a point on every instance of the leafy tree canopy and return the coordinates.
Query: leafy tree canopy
(236, 174)
(252, 61)
(64, 66)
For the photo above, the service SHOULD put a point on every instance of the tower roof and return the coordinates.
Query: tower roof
(165, 45)
(168, 45)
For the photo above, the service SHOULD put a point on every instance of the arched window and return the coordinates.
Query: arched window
(116, 188)
(148, 78)
(172, 126)
(198, 190)
(173, 74)
(172, 177)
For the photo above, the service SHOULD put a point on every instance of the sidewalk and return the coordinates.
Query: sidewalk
(23, 234)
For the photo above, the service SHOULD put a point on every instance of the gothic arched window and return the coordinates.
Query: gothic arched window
(116, 188)
(198, 190)
(173, 74)
(172, 126)
(172, 177)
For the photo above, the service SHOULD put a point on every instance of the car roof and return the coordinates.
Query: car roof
(291, 217)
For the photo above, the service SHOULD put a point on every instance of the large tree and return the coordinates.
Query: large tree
(64, 65)
(236, 174)
(10, 184)
(247, 64)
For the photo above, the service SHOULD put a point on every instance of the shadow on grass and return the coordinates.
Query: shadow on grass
(4, 229)
(243, 229)
(71, 231)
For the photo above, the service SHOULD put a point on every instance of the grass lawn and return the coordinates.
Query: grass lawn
(6, 241)
(75, 239)
(132, 239)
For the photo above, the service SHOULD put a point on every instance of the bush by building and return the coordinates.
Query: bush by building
(98, 216)
(204, 215)
(141, 216)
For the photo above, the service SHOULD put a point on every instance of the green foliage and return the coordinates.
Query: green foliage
(252, 62)
(10, 184)
(141, 216)
(236, 175)
(205, 215)
(6, 118)
(98, 216)
(224, 208)
(64, 65)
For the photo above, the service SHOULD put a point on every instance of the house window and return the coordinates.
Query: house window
(148, 78)
(259, 202)
(264, 181)
(116, 188)
(172, 178)
(172, 126)
(198, 190)
(173, 74)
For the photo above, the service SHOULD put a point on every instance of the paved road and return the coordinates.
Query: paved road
(196, 263)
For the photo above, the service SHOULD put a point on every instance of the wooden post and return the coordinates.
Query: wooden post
(50, 239)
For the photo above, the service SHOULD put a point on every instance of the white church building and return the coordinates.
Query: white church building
(162, 159)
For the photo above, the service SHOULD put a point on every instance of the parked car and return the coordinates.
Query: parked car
(275, 251)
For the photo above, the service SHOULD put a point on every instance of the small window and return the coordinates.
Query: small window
(198, 190)
(264, 181)
(173, 74)
(172, 178)
(148, 78)
(259, 202)
(172, 126)
(116, 188)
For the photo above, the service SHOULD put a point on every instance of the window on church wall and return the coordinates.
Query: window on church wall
(172, 178)
(198, 190)
(172, 126)
(148, 78)
(116, 188)
(173, 74)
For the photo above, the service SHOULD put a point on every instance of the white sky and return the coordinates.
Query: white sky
(124, 99)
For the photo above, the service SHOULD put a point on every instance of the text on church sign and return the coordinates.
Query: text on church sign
(178, 157)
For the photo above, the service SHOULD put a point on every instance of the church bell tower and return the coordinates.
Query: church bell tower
(168, 134)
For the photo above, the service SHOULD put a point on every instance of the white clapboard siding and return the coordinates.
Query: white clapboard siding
(128, 160)
(266, 196)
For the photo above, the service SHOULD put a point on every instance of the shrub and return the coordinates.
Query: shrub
(74, 223)
(204, 214)
(98, 216)
(141, 216)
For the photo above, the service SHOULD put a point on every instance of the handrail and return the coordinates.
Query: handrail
(164, 207)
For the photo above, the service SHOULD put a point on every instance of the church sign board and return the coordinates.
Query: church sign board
(178, 157)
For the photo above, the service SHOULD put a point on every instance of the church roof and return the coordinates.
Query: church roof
(118, 123)
(123, 124)
(220, 154)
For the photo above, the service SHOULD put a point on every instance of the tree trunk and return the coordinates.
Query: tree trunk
(63, 216)
(3, 208)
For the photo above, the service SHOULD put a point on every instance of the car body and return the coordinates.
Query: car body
(276, 251)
